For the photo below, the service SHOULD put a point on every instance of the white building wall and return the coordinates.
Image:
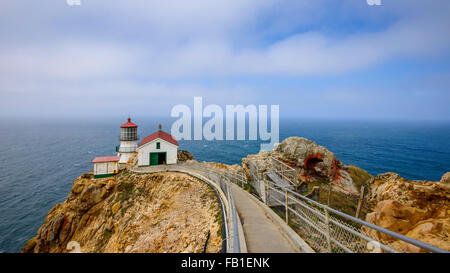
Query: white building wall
(105, 168)
(126, 149)
(150, 147)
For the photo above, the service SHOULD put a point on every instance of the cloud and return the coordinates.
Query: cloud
(194, 40)
(68, 60)
(161, 51)
(203, 38)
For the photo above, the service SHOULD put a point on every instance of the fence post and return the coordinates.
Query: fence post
(327, 221)
(329, 196)
(266, 192)
(287, 206)
(230, 211)
(361, 199)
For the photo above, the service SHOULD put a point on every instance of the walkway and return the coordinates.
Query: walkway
(261, 234)
(264, 231)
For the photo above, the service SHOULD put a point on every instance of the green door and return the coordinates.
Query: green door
(153, 159)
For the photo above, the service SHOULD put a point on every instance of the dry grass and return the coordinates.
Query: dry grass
(359, 176)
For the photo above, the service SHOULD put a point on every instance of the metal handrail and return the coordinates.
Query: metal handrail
(237, 245)
(229, 194)
(294, 196)
(231, 236)
(393, 234)
(318, 214)
(375, 227)
(303, 201)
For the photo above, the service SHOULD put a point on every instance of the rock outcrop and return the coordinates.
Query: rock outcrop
(162, 212)
(446, 179)
(314, 160)
(132, 161)
(184, 155)
(311, 161)
(417, 209)
(225, 167)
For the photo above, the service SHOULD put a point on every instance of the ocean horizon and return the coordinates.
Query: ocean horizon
(42, 158)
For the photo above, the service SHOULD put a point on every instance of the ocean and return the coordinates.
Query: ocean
(40, 159)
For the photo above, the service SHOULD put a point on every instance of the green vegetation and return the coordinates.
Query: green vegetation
(209, 194)
(126, 191)
(321, 183)
(142, 192)
(101, 243)
(250, 189)
(126, 187)
(107, 234)
(218, 220)
(359, 176)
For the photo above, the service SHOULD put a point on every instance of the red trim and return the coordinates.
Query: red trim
(160, 134)
(101, 159)
(129, 124)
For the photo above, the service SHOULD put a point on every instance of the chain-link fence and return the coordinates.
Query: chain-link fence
(323, 228)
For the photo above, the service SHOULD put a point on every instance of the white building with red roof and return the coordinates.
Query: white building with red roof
(105, 166)
(157, 149)
(128, 141)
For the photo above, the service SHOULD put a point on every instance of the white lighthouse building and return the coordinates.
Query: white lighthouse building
(159, 148)
(128, 141)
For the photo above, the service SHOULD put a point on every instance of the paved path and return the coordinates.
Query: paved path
(261, 234)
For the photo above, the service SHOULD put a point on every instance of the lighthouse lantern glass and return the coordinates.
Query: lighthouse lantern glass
(128, 133)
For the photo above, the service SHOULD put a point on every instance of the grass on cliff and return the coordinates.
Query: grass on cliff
(359, 176)
(125, 191)
(104, 240)
(218, 220)
(340, 201)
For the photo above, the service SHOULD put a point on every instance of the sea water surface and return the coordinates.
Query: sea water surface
(40, 159)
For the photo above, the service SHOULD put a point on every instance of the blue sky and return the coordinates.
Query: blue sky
(315, 58)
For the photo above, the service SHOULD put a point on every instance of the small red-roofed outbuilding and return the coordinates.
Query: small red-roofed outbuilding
(105, 166)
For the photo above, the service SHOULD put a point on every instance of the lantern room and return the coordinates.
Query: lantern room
(128, 131)
(128, 141)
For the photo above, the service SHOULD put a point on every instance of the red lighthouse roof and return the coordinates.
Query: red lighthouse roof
(129, 124)
(159, 134)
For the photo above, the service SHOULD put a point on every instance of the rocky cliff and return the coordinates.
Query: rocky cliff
(417, 209)
(163, 212)
(172, 212)
(184, 155)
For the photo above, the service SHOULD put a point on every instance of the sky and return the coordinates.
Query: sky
(314, 58)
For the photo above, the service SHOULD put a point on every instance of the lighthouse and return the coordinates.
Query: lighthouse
(128, 141)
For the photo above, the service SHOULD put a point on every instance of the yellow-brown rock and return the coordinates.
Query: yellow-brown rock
(417, 209)
(162, 212)
(115, 208)
(446, 178)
